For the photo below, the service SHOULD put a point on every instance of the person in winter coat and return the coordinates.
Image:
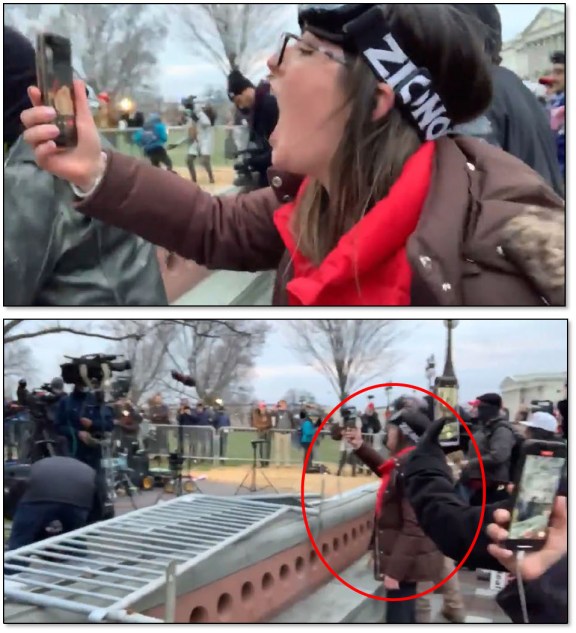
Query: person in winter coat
(222, 425)
(152, 138)
(430, 488)
(53, 256)
(457, 222)
(307, 433)
(403, 555)
(201, 140)
(496, 440)
(261, 108)
(515, 120)
(262, 422)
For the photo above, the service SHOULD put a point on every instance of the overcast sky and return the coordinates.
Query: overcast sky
(183, 74)
(485, 353)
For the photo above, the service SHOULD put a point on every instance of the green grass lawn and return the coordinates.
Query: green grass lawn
(239, 451)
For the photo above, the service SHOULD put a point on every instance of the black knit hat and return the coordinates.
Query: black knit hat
(237, 83)
(19, 75)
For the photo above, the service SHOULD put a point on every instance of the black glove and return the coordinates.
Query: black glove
(430, 441)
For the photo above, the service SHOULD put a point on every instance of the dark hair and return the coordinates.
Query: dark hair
(303, 414)
(558, 57)
(487, 17)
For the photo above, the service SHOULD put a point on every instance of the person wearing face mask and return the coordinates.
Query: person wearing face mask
(364, 149)
(496, 440)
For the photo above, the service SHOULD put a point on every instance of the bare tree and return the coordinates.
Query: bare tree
(147, 353)
(23, 329)
(233, 35)
(220, 355)
(117, 44)
(348, 353)
(18, 363)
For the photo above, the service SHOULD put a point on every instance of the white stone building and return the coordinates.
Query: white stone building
(520, 390)
(528, 55)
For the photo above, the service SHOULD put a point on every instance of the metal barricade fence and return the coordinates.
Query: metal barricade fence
(280, 448)
(199, 443)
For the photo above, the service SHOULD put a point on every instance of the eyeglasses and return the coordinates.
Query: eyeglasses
(289, 40)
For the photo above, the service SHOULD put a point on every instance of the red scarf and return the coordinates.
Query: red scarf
(385, 472)
(369, 266)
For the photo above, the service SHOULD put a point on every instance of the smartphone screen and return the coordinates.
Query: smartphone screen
(535, 498)
(450, 435)
(55, 76)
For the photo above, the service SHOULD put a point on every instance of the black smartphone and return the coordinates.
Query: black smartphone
(450, 435)
(55, 80)
(542, 467)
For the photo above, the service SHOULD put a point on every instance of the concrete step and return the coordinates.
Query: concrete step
(336, 604)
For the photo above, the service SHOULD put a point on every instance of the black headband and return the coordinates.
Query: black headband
(412, 86)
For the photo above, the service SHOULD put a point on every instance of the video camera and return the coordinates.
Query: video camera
(541, 406)
(91, 370)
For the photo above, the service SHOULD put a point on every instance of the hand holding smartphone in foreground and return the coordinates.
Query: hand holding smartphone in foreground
(73, 156)
(538, 523)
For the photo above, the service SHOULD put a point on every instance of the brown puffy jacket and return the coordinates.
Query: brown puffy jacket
(401, 549)
(491, 233)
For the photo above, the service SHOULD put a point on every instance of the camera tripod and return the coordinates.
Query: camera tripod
(176, 465)
(253, 472)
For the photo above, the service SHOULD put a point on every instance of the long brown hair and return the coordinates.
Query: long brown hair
(369, 159)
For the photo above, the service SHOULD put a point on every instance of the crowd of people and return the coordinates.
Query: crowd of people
(330, 175)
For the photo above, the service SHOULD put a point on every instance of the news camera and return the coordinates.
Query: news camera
(92, 370)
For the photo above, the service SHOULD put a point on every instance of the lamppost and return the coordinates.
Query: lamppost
(430, 372)
(388, 391)
(446, 387)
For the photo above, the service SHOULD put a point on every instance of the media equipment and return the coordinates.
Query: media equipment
(252, 473)
(92, 370)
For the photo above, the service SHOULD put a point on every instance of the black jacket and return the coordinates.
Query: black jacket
(264, 121)
(517, 123)
(430, 491)
(443, 516)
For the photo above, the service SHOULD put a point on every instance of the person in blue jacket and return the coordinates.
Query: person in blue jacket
(307, 433)
(152, 138)
(83, 419)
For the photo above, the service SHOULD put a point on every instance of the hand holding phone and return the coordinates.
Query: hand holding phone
(536, 563)
(82, 163)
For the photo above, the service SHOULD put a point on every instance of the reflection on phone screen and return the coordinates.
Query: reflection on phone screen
(536, 495)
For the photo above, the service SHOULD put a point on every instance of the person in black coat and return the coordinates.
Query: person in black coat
(262, 107)
(431, 492)
(516, 122)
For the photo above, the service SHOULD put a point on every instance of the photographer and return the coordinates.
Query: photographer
(403, 554)
(58, 489)
(84, 420)
(430, 489)
(262, 108)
